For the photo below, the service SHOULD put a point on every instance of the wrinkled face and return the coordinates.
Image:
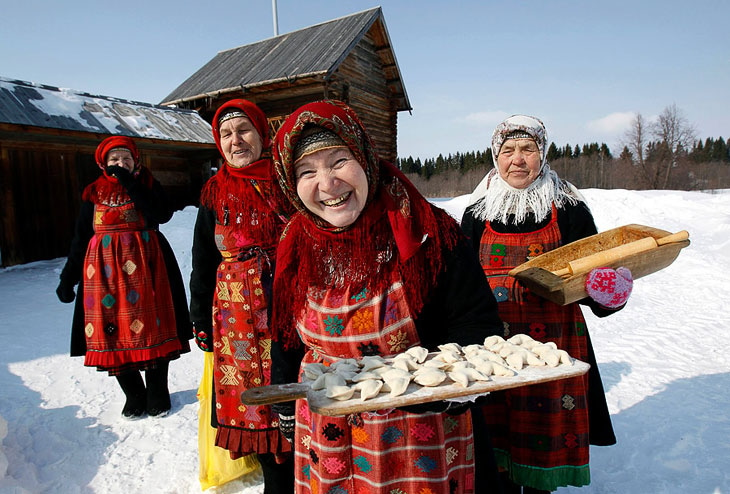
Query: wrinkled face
(518, 162)
(120, 157)
(240, 142)
(332, 185)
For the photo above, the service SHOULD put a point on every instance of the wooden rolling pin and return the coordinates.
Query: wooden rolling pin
(603, 258)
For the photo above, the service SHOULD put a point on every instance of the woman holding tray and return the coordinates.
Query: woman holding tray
(520, 210)
(368, 267)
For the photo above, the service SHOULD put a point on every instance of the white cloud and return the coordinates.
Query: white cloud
(612, 124)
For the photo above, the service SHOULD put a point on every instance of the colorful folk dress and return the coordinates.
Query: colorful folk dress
(129, 314)
(242, 345)
(389, 451)
(540, 432)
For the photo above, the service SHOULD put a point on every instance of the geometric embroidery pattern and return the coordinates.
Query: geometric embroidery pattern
(90, 271)
(229, 375)
(226, 350)
(235, 293)
(241, 347)
(136, 326)
(129, 267)
(89, 330)
(568, 402)
(223, 293)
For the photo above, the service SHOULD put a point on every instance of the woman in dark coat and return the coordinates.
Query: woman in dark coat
(521, 209)
(367, 266)
(236, 232)
(131, 313)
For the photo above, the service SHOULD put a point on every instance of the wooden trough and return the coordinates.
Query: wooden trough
(559, 275)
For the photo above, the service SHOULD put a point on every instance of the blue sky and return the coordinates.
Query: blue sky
(583, 67)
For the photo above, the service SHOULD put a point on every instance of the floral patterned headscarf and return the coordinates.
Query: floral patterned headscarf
(398, 234)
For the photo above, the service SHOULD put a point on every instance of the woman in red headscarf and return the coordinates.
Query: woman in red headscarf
(236, 232)
(367, 266)
(131, 313)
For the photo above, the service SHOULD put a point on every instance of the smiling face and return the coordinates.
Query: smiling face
(120, 157)
(332, 185)
(518, 162)
(240, 142)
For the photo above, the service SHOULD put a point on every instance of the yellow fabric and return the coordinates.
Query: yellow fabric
(216, 466)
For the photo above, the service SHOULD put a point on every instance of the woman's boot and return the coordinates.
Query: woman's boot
(158, 395)
(133, 387)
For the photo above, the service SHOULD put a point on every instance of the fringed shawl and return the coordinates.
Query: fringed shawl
(399, 234)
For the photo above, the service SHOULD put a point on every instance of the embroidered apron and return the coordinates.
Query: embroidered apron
(242, 346)
(386, 452)
(128, 309)
(539, 432)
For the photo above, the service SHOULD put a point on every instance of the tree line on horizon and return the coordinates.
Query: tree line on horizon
(665, 154)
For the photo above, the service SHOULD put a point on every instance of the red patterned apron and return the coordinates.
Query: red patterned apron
(128, 310)
(386, 452)
(242, 346)
(540, 432)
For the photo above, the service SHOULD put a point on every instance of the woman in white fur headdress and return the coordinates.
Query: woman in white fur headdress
(520, 210)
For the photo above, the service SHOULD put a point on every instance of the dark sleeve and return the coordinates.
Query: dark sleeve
(472, 228)
(205, 260)
(285, 363)
(576, 222)
(83, 231)
(152, 202)
(462, 308)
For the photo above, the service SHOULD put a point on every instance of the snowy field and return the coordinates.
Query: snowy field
(664, 362)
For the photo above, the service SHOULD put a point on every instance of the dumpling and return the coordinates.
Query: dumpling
(340, 393)
(447, 356)
(430, 377)
(314, 370)
(459, 377)
(364, 376)
(451, 347)
(370, 362)
(394, 372)
(418, 353)
(476, 375)
(500, 370)
(493, 340)
(405, 362)
(396, 385)
(369, 388)
(328, 380)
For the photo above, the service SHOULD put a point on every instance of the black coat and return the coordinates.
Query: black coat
(154, 207)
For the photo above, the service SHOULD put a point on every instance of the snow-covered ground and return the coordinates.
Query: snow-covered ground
(664, 361)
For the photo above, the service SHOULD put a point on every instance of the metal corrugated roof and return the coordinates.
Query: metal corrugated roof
(316, 50)
(26, 103)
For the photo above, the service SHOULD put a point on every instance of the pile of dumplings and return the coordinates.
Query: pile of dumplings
(452, 364)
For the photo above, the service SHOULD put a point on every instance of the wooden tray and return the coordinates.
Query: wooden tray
(415, 393)
(539, 276)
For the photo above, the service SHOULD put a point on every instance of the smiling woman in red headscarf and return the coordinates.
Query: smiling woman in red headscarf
(131, 313)
(367, 266)
(236, 232)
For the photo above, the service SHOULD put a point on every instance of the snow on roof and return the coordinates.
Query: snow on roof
(39, 105)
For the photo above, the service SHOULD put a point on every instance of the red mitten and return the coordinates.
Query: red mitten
(609, 287)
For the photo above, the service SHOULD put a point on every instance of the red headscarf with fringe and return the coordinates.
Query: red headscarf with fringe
(399, 233)
(247, 195)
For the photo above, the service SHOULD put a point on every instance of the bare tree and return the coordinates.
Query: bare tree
(636, 140)
(676, 133)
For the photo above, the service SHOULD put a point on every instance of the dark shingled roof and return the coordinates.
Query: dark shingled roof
(39, 105)
(314, 51)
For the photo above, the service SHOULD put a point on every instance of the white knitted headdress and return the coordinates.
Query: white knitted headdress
(495, 199)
